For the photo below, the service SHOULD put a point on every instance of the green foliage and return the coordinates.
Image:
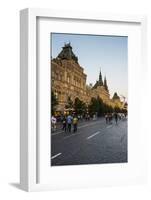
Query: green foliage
(97, 106)
(69, 104)
(79, 106)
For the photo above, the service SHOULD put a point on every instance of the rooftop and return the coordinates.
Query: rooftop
(67, 53)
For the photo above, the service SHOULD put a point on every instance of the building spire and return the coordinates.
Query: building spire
(105, 84)
(100, 79)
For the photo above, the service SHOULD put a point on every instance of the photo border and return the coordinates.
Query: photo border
(91, 36)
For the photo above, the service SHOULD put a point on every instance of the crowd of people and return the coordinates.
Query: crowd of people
(116, 116)
(69, 123)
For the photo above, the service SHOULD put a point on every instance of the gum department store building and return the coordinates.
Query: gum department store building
(69, 80)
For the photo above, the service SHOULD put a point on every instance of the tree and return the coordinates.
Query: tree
(96, 106)
(93, 106)
(69, 104)
(54, 102)
(79, 106)
(100, 106)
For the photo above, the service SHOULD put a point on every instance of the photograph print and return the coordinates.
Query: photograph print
(89, 99)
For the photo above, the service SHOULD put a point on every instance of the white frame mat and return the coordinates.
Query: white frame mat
(31, 167)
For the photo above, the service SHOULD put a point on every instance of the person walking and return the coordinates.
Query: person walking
(75, 123)
(106, 118)
(116, 117)
(110, 117)
(53, 123)
(69, 122)
(64, 123)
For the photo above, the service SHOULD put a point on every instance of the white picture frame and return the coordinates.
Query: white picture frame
(29, 148)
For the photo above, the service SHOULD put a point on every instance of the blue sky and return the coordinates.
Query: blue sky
(95, 52)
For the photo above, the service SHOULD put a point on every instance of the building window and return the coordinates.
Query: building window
(52, 81)
(56, 94)
(68, 79)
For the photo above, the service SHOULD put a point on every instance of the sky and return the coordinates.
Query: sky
(97, 52)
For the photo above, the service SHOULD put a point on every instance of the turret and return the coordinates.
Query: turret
(67, 53)
(105, 84)
(99, 82)
(100, 79)
(115, 96)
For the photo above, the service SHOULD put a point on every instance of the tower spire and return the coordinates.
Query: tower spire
(100, 79)
(105, 84)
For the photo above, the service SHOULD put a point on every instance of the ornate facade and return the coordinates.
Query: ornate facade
(69, 80)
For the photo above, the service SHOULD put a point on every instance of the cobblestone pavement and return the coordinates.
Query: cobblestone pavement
(95, 142)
